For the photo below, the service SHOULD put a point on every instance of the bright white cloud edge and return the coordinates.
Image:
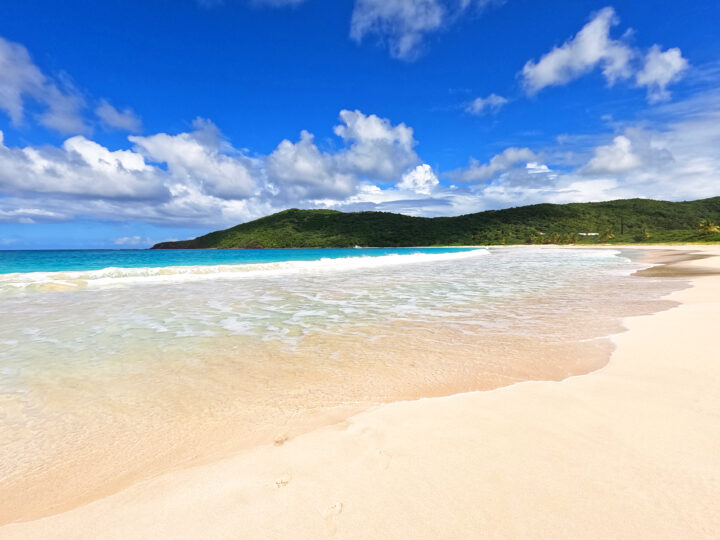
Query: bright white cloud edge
(199, 178)
(593, 47)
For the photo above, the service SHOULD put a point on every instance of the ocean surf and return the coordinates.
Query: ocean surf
(111, 375)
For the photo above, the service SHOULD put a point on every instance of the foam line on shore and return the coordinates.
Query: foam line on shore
(113, 276)
(627, 451)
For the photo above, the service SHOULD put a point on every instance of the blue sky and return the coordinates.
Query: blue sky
(127, 123)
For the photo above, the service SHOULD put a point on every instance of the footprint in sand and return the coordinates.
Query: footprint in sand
(280, 439)
(283, 481)
(330, 514)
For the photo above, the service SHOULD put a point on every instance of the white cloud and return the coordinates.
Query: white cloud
(661, 69)
(533, 167)
(199, 178)
(197, 158)
(481, 105)
(300, 171)
(617, 157)
(28, 215)
(20, 77)
(133, 241)
(21, 81)
(676, 160)
(591, 47)
(64, 110)
(81, 168)
(671, 156)
(376, 148)
(422, 179)
(477, 172)
(125, 120)
(588, 191)
(24, 87)
(190, 178)
(403, 25)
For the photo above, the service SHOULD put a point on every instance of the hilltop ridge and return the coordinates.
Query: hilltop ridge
(619, 221)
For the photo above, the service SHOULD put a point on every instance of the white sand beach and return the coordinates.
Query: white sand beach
(628, 451)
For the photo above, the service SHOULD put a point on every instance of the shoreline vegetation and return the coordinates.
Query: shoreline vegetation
(626, 221)
(627, 450)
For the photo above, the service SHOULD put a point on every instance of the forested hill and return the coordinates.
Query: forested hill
(621, 221)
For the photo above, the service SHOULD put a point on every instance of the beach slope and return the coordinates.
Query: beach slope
(628, 451)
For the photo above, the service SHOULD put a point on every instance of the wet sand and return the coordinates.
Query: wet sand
(75, 435)
(673, 263)
(626, 451)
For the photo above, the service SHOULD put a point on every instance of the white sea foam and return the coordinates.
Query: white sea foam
(112, 276)
(287, 300)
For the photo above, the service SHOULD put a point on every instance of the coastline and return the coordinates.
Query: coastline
(626, 450)
(104, 446)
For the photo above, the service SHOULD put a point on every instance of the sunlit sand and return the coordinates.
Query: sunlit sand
(624, 451)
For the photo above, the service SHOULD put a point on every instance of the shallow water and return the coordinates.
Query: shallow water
(36, 261)
(112, 375)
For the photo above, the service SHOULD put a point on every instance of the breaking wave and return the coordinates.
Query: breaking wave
(114, 276)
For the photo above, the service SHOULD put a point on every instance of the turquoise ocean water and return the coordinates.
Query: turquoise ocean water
(63, 260)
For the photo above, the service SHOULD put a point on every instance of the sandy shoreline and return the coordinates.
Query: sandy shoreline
(629, 450)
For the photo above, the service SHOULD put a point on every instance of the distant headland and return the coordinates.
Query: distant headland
(620, 221)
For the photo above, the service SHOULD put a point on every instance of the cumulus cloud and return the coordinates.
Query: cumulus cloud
(202, 159)
(301, 171)
(125, 120)
(661, 68)
(674, 160)
(614, 158)
(591, 47)
(422, 179)
(478, 172)
(188, 178)
(636, 150)
(671, 156)
(491, 103)
(374, 150)
(533, 167)
(375, 147)
(81, 168)
(199, 178)
(22, 81)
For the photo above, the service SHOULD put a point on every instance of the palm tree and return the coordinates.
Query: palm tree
(708, 226)
(642, 235)
(607, 235)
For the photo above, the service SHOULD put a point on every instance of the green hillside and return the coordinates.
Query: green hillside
(621, 221)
